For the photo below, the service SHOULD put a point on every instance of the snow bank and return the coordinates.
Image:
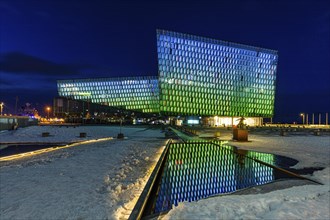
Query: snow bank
(304, 202)
(91, 181)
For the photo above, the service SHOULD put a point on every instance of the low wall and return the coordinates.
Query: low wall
(12, 122)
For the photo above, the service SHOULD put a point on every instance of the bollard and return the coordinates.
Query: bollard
(45, 134)
(283, 133)
(120, 136)
(83, 135)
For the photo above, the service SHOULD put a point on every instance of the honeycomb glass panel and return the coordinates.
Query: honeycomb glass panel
(118, 92)
(211, 65)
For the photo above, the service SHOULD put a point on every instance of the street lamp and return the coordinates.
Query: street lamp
(303, 118)
(1, 106)
(48, 110)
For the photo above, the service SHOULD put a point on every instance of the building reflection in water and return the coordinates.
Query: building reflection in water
(198, 170)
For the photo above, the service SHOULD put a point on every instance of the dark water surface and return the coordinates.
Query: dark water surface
(12, 149)
(197, 170)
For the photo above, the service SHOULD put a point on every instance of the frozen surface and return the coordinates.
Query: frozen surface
(92, 181)
(300, 202)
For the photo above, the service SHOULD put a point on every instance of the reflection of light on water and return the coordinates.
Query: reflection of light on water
(3, 146)
(127, 208)
(267, 158)
(198, 170)
(45, 150)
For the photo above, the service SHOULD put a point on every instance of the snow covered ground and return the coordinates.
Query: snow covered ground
(299, 202)
(99, 180)
(103, 180)
(57, 134)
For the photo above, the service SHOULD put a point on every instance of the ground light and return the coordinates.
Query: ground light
(50, 149)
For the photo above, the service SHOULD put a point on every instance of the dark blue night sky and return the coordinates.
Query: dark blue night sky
(43, 40)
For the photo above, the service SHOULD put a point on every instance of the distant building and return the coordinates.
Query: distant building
(85, 111)
(197, 76)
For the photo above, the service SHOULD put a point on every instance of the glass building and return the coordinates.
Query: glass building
(202, 76)
(197, 76)
(132, 93)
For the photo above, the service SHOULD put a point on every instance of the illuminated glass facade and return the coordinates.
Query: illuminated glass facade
(202, 76)
(133, 93)
(197, 76)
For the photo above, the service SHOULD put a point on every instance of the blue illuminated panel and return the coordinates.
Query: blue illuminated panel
(202, 76)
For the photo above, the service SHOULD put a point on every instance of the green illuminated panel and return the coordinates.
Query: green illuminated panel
(201, 76)
(134, 93)
(267, 158)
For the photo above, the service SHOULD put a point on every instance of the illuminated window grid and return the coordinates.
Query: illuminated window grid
(201, 76)
(134, 93)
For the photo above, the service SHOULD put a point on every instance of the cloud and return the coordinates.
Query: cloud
(5, 81)
(10, 81)
(20, 63)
